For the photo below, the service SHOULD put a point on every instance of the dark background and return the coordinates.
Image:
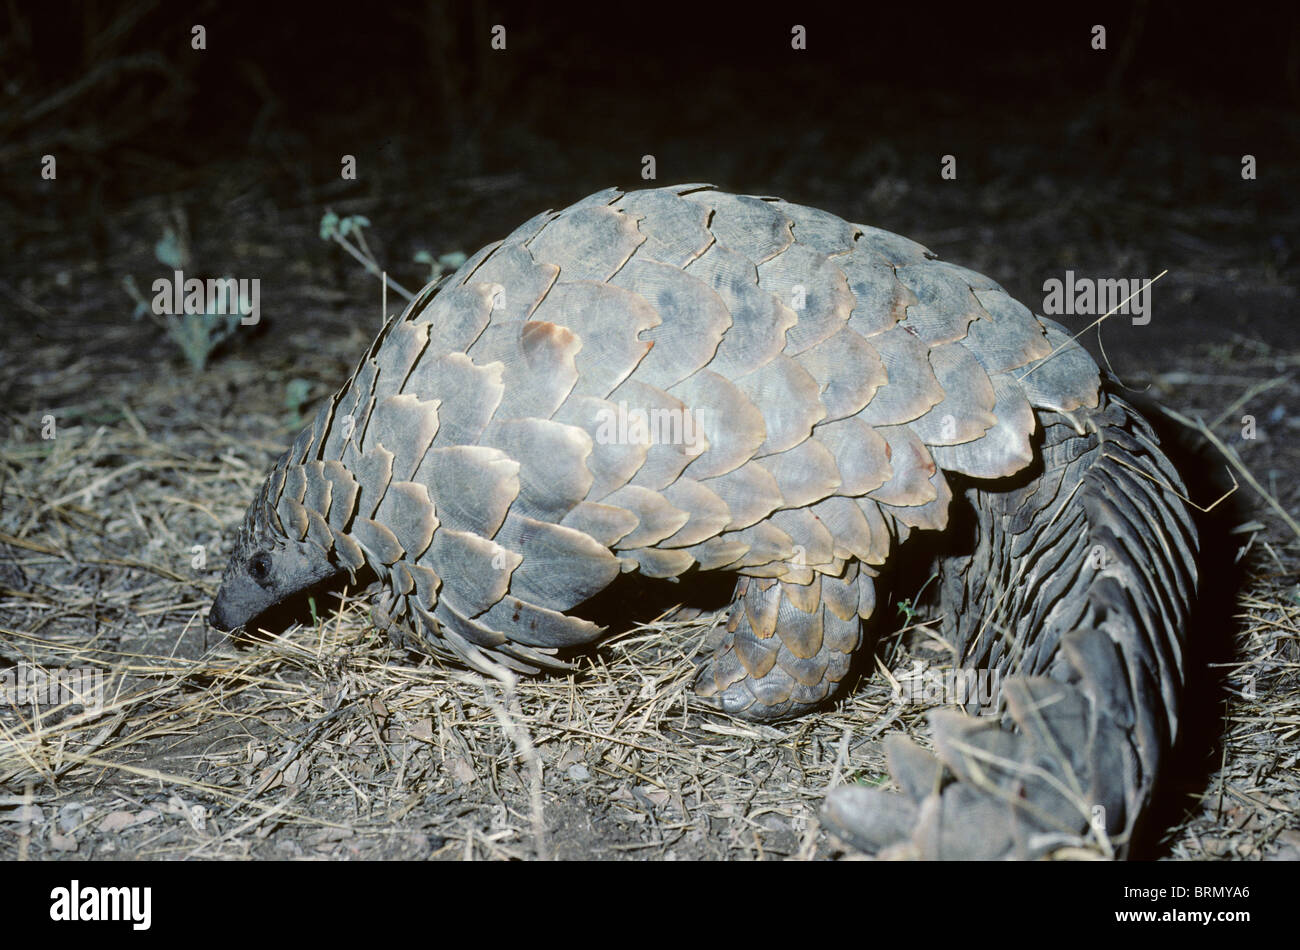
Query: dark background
(457, 143)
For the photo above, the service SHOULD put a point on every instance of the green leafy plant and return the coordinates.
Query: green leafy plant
(907, 611)
(871, 780)
(347, 233)
(198, 334)
(296, 394)
(442, 264)
(195, 334)
(907, 607)
(170, 251)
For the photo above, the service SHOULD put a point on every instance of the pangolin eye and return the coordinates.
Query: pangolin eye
(259, 567)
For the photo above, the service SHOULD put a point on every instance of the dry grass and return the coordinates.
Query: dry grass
(1249, 809)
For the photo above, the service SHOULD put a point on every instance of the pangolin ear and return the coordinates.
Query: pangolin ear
(259, 580)
(298, 567)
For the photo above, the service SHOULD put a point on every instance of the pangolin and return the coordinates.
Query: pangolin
(677, 380)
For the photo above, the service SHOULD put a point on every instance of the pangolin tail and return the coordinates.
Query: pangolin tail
(1078, 590)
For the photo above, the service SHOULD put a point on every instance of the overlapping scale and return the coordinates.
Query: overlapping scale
(759, 320)
(755, 229)
(675, 229)
(587, 243)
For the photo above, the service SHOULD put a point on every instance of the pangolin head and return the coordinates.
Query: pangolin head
(266, 568)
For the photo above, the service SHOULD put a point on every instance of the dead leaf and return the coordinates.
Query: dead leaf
(116, 821)
(296, 773)
(461, 771)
